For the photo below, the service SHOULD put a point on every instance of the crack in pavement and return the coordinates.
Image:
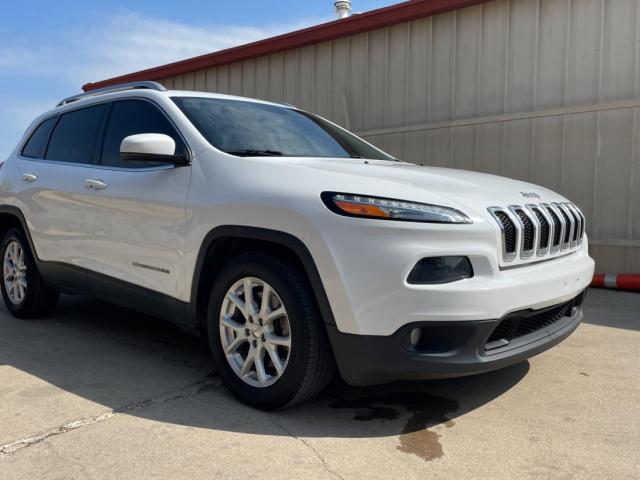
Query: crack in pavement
(187, 391)
(308, 445)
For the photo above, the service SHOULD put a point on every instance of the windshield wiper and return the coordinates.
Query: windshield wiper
(255, 153)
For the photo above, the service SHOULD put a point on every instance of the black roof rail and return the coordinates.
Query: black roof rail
(114, 88)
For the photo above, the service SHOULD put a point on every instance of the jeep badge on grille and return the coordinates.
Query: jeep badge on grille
(530, 195)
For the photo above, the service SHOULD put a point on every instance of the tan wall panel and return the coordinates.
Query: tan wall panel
(189, 81)
(616, 259)
(323, 68)
(439, 147)
(419, 73)
(377, 76)
(248, 70)
(339, 81)
(223, 79)
(306, 78)
(396, 74)
(200, 82)
(211, 80)
(358, 80)
(291, 81)
(516, 155)
(276, 77)
(522, 46)
(415, 146)
(492, 55)
(442, 60)
(464, 153)
(468, 30)
(262, 78)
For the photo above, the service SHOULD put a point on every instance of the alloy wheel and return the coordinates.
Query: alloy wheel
(15, 273)
(255, 332)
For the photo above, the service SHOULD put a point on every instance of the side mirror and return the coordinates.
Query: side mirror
(151, 147)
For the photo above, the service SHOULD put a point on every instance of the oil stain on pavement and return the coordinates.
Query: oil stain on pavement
(425, 411)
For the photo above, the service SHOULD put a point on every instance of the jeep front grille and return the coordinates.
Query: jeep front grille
(534, 231)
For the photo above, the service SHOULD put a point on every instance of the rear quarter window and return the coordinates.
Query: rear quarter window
(37, 143)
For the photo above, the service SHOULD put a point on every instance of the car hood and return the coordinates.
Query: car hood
(406, 181)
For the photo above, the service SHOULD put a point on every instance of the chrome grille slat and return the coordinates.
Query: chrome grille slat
(584, 225)
(579, 230)
(546, 229)
(569, 223)
(565, 242)
(556, 224)
(575, 222)
(529, 229)
(563, 225)
(508, 227)
(539, 230)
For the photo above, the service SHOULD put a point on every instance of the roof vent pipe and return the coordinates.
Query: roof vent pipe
(343, 8)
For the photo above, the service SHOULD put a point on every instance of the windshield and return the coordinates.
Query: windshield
(255, 129)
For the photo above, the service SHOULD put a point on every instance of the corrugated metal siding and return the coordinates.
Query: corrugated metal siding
(546, 91)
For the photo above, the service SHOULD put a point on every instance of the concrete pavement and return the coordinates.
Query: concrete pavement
(97, 391)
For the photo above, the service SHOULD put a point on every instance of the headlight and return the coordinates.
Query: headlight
(389, 209)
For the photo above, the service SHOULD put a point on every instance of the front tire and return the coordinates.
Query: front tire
(266, 333)
(23, 290)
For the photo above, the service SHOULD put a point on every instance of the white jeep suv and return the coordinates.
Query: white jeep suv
(292, 245)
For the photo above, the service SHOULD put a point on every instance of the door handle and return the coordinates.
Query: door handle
(95, 184)
(29, 177)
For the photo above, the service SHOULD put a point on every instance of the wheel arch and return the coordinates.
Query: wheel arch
(12, 217)
(225, 241)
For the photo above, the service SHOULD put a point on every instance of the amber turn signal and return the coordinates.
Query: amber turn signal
(362, 210)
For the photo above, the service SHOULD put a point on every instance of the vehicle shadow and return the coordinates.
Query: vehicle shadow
(143, 366)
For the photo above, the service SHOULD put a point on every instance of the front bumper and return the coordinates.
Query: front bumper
(453, 349)
(369, 293)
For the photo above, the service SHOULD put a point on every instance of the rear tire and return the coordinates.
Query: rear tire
(23, 290)
(299, 364)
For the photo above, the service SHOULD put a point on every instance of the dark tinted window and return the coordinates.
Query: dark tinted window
(132, 117)
(74, 137)
(256, 129)
(37, 144)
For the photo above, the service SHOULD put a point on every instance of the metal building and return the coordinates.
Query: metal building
(546, 91)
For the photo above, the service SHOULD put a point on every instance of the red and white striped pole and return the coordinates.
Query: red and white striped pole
(617, 281)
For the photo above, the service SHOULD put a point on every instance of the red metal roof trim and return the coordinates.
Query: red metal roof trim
(383, 17)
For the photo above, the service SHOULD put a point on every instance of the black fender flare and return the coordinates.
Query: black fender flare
(273, 236)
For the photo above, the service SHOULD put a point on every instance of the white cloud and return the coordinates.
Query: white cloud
(125, 43)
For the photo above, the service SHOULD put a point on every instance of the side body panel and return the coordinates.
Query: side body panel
(56, 206)
(136, 232)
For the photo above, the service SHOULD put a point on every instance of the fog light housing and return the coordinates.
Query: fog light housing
(439, 270)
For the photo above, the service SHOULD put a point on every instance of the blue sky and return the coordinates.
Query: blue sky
(48, 50)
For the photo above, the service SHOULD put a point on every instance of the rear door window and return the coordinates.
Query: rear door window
(74, 137)
(37, 143)
(133, 117)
